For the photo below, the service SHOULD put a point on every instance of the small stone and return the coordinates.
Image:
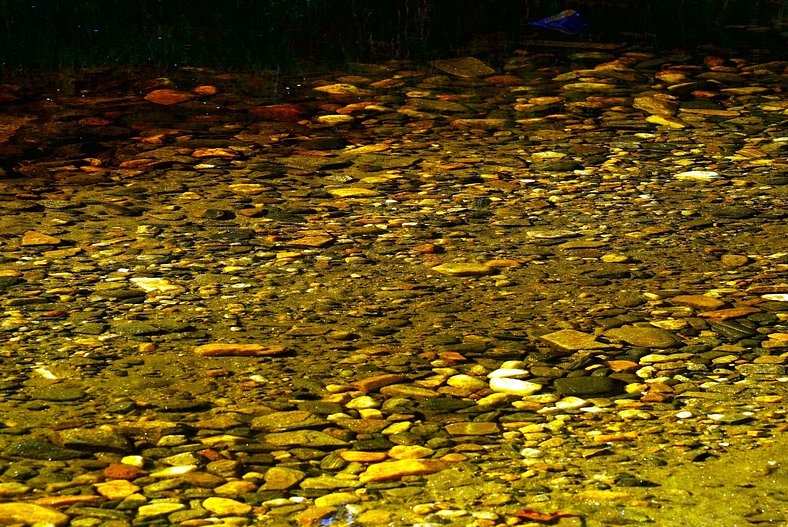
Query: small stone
(352, 192)
(408, 390)
(154, 510)
(226, 506)
(370, 384)
(472, 429)
(326, 482)
(467, 382)
(586, 386)
(734, 260)
(219, 349)
(572, 340)
(16, 513)
(410, 452)
(341, 89)
(647, 337)
(698, 301)
(393, 470)
(233, 489)
(304, 438)
(158, 285)
(698, 175)
(168, 97)
(513, 386)
(282, 478)
(358, 456)
(289, 420)
(463, 269)
(725, 314)
(33, 238)
(116, 489)
(464, 67)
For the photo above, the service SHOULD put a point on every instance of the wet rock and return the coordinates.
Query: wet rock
(472, 429)
(19, 513)
(572, 340)
(41, 449)
(58, 393)
(303, 438)
(394, 470)
(95, 440)
(282, 478)
(243, 350)
(226, 507)
(588, 386)
(290, 420)
(464, 67)
(33, 239)
(646, 337)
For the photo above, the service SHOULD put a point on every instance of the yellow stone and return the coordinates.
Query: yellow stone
(353, 192)
(16, 513)
(33, 238)
(116, 489)
(668, 121)
(226, 507)
(463, 269)
(393, 470)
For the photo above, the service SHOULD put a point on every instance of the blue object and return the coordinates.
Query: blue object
(567, 21)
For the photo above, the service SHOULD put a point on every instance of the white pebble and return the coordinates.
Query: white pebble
(514, 386)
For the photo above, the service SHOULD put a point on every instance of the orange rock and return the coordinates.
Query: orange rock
(622, 365)
(725, 314)
(32, 238)
(359, 456)
(392, 470)
(219, 349)
(288, 112)
(123, 471)
(370, 384)
(225, 153)
(698, 301)
(168, 97)
(205, 90)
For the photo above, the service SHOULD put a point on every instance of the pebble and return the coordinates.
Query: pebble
(393, 470)
(226, 507)
(646, 337)
(514, 386)
(572, 340)
(19, 513)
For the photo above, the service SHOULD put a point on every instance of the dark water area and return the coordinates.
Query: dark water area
(245, 34)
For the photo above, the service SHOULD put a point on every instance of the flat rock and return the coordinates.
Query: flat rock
(93, 439)
(463, 269)
(646, 337)
(572, 340)
(282, 478)
(33, 238)
(15, 513)
(725, 314)
(304, 438)
(393, 470)
(226, 506)
(512, 386)
(472, 429)
(698, 301)
(289, 420)
(219, 349)
(585, 386)
(464, 67)
(370, 384)
(168, 97)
